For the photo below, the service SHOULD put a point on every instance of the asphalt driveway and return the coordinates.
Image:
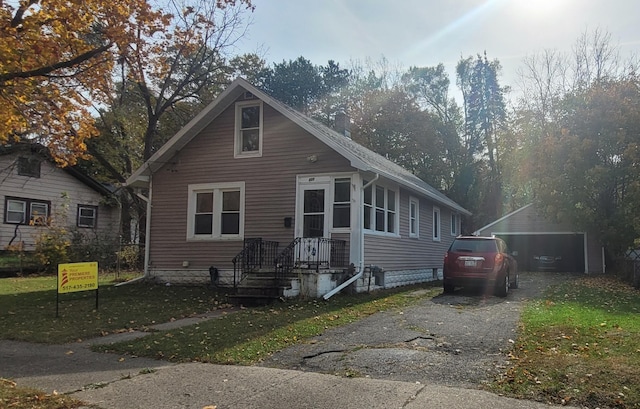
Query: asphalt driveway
(459, 339)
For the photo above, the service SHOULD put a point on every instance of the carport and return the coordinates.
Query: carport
(530, 235)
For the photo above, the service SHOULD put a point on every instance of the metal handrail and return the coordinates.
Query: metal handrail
(255, 254)
(311, 253)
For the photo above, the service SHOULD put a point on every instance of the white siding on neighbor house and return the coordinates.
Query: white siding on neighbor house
(65, 193)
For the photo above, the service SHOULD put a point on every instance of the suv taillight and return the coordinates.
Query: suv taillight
(499, 258)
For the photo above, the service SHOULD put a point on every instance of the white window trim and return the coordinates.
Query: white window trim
(373, 207)
(414, 201)
(94, 219)
(455, 222)
(28, 217)
(217, 189)
(333, 203)
(437, 229)
(237, 145)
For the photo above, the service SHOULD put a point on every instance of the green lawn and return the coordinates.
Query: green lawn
(250, 335)
(28, 308)
(579, 345)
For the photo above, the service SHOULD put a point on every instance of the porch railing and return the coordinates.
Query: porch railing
(256, 253)
(312, 253)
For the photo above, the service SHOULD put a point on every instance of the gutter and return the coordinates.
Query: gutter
(361, 262)
(147, 250)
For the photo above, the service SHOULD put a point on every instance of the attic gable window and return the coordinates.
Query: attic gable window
(29, 166)
(248, 129)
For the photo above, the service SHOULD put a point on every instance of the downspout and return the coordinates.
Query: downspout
(361, 262)
(147, 235)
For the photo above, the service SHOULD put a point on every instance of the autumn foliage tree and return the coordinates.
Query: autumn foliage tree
(57, 58)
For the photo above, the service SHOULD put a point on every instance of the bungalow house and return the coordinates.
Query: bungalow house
(541, 244)
(36, 193)
(251, 184)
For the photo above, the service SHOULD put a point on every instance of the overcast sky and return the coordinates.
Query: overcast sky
(428, 32)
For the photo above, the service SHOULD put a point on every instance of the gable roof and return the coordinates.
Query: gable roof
(477, 232)
(359, 157)
(42, 151)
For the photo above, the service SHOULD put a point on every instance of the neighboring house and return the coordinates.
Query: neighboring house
(253, 181)
(36, 193)
(533, 236)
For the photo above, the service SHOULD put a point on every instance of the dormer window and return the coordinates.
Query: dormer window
(29, 166)
(248, 141)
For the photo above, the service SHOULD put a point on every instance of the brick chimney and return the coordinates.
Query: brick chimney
(343, 124)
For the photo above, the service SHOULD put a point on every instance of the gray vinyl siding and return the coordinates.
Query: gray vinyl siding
(526, 220)
(411, 253)
(270, 188)
(58, 187)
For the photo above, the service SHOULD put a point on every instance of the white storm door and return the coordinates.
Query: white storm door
(312, 219)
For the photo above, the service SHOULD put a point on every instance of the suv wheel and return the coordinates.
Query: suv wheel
(503, 286)
(516, 282)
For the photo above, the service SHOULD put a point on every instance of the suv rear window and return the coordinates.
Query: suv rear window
(473, 246)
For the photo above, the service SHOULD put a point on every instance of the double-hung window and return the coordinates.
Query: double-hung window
(380, 206)
(436, 224)
(455, 222)
(87, 216)
(248, 139)
(216, 211)
(414, 217)
(26, 211)
(342, 203)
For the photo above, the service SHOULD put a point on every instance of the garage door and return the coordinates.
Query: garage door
(566, 251)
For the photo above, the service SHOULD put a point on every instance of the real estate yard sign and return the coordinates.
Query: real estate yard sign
(76, 277)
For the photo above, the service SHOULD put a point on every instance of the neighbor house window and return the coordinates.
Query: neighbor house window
(26, 211)
(342, 203)
(436, 224)
(29, 166)
(380, 204)
(216, 211)
(87, 216)
(455, 222)
(414, 219)
(248, 141)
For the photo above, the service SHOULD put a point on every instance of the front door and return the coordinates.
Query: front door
(312, 221)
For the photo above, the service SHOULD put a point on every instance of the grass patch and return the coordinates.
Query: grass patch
(28, 306)
(579, 345)
(248, 336)
(12, 396)
(18, 260)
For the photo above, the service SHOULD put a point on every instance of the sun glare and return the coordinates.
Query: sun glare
(538, 6)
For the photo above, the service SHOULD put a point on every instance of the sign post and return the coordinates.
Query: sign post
(74, 277)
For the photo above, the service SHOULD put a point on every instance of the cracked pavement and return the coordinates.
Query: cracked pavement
(459, 340)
